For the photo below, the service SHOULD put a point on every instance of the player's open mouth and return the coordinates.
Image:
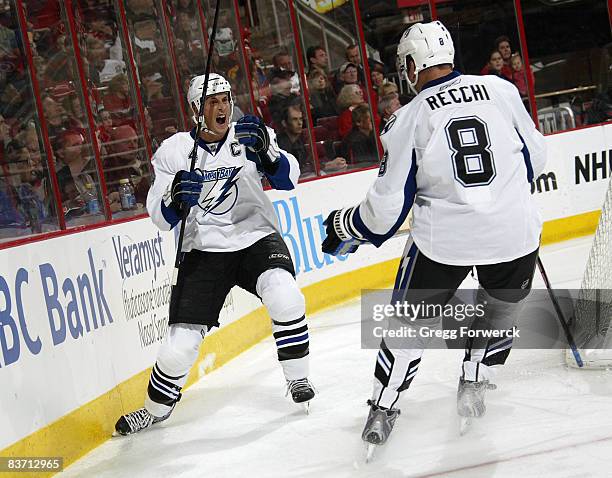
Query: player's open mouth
(221, 119)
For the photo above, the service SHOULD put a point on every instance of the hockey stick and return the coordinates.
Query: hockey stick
(560, 316)
(194, 152)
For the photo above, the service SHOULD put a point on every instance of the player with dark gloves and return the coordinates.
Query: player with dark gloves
(339, 239)
(252, 133)
(182, 194)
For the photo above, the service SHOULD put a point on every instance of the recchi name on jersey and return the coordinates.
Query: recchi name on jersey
(463, 94)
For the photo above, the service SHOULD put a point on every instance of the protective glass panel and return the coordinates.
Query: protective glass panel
(160, 95)
(570, 53)
(345, 116)
(187, 39)
(278, 87)
(64, 110)
(383, 29)
(228, 59)
(27, 203)
(114, 105)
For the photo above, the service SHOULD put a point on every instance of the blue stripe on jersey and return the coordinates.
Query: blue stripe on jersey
(299, 338)
(527, 158)
(170, 215)
(409, 194)
(280, 180)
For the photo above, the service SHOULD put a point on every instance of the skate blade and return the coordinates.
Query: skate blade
(370, 449)
(464, 425)
(306, 407)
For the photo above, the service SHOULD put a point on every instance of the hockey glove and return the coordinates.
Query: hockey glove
(339, 241)
(184, 192)
(252, 133)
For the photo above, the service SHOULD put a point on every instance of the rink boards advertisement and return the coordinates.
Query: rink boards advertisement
(82, 313)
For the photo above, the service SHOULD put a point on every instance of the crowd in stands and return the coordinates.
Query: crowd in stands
(504, 63)
(344, 122)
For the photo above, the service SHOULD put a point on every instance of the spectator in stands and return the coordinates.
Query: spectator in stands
(55, 117)
(101, 68)
(126, 161)
(282, 63)
(347, 75)
(354, 56)
(153, 85)
(496, 64)
(186, 6)
(118, 98)
(349, 98)
(387, 105)
(282, 97)
(322, 98)
(317, 59)
(502, 45)
(74, 169)
(105, 124)
(5, 130)
(359, 147)
(519, 77)
(292, 140)
(74, 110)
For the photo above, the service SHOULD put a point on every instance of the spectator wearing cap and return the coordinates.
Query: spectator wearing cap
(292, 141)
(322, 98)
(359, 147)
(347, 75)
(282, 97)
(502, 45)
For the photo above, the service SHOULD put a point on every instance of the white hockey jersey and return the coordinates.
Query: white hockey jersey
(233, 211)
(464, 152)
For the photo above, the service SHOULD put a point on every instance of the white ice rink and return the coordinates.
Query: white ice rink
(543, 420)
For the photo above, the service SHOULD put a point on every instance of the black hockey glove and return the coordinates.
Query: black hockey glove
(252, 133)
(185, 190)
(339, 241)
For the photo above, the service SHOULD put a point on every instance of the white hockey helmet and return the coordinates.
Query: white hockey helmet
(216, 84)
(427, 45)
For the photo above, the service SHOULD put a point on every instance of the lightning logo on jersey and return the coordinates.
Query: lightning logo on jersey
(220, 190)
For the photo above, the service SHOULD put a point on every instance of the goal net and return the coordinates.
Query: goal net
(593, 309)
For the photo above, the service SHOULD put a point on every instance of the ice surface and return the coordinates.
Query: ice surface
(543, 420)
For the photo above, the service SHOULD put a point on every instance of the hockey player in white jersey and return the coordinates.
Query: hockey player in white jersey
(231, 238)
(462, 155)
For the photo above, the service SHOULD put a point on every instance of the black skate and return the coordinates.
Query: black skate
(378, 427)
(302, 391)
(138, 420)
(471, 401)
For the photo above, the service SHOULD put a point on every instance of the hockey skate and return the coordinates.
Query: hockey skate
(471, 401)
(301, 391)
(378, 427)
(136, 421)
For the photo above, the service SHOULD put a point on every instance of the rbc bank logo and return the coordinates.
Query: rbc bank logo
(303, 235)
